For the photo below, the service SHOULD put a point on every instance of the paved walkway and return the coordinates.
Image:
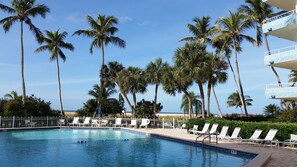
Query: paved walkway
(279, 157)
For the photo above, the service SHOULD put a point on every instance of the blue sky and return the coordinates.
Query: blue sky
(151, 29)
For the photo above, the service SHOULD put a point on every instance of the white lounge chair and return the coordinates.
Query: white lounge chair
(86, 122)
(292, 141)
(74, 122)
(204, 129)
(61, 122)
(234, 136)
(223, 132)
(254, 137)
(118, 122)
(133, 123)
(104, 122)
(270, 138)
(195, 128)
(28, 123)
(94, 123)
(144, 123)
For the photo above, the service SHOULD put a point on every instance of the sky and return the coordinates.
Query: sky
(152, 29)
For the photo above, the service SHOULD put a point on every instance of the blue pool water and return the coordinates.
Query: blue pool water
(105, 147)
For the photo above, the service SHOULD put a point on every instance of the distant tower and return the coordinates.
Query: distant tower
(283, 26)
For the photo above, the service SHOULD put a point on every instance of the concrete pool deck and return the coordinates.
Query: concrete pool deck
(279, 157)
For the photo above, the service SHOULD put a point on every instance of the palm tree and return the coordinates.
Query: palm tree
(192, 58)
(217, 74)
(107, 92)
(196, 103)
(154, 73)
(293, 76)
(201, 30)
(257, 11)
(272, 110)
(234, 101)
(132, 81)
(177, 80)
(114, 70)
(232, 28)
(102, 31)
(12, 95)
(22, 11)
(54, 43)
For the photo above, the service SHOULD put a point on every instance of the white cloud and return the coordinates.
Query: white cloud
(74, 18)
(125, 19)
(144, 23)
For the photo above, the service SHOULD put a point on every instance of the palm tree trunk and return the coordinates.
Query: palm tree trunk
(208, 98)
(129, 103)
(272, 68)
(156, 96)
(239, 80)
(190, 109)
(134, 108)
(218, 104)
(202, 99)
(22, 65)
(101, 77)
(59, 87)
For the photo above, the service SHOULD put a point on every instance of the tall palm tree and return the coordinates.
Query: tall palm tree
(201, 30)
(192, 57)
(177, 80)
(22, 11)
(54, 43)
(217, 74)
(232, 28)
(132, 80)
(115, 69)
(102, 31)
(154, 73)
(196, 103)
(234, 101)
(257, 11)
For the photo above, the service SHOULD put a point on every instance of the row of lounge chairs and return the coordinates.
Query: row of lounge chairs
(104, 122)
(269, 139)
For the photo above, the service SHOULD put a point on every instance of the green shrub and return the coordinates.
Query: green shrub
(145, 109)
(248, 128)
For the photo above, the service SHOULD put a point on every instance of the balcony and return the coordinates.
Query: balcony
(282, 58)
(282, 26)
(286, 92)
(286, 5)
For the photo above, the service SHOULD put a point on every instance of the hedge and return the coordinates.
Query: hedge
(248, 128)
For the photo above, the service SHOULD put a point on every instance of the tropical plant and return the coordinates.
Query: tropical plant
(257, 11)
(293, 76)
(272, 110)
(114, 70)
(232, 28)
(196, 103)
(102, 31)
(107, 92)
(11, 95)
(54, 43)
(177, 80)
(132, 80)
(234, 101)
(192, 58)
(153, 74)
(201, 30)
(22, 11)
(216, 74)
(145, 109)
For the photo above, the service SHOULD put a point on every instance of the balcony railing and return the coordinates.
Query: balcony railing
(285, 85)
(280, 16)
(281, 50)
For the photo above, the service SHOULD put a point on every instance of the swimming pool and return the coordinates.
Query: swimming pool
(105, 147)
